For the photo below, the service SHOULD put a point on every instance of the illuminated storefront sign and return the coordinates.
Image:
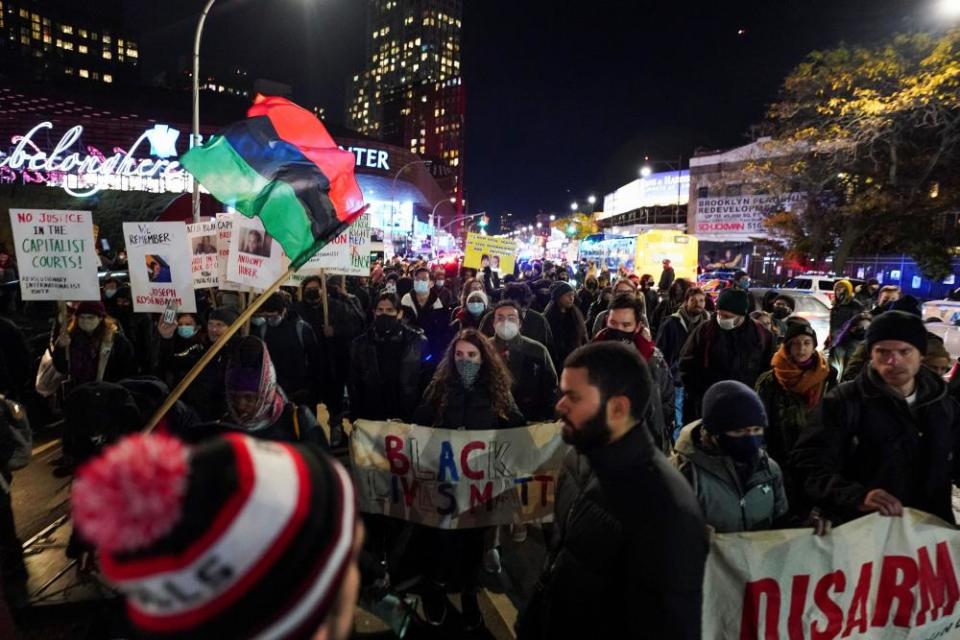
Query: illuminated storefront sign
(150, 164)
(656, 190)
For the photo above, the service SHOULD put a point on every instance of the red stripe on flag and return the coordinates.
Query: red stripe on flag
(299, 127)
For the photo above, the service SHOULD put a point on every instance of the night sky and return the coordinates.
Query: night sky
(563, 98)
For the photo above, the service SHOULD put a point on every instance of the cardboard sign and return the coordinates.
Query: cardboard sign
(255, 259)
(158, 256)
(481, 251)
(453, 479)
(205, 261)
(347, 255)
(875, 577)
(56, 257)
(224, 238)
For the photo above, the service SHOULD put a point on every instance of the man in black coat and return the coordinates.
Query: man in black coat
(534, 377)
(888, 439)
(731, 346)
(386, 365)
(293, 349)
(615, 568)
(532, 323)
(673, 335)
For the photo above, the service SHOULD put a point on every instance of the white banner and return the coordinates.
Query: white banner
(456, 479)
(158, 256)
(740, 215)
(56, 258)
(875, 577)
(205, 261)
(255, 258)
(224, 238)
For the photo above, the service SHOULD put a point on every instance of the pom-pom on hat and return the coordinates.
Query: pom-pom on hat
(232, 538)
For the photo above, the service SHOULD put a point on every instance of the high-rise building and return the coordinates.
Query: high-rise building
(57, 39)
(410, 93)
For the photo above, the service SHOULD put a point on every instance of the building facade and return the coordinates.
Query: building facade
(410, 93)
(53, 40)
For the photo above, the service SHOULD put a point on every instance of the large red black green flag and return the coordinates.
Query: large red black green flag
(282, 166)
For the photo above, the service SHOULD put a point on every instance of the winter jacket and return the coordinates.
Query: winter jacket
(864, 436)
(466, 409)
(660, 414)
(431, 318)
(672, 336)
(628, 549)
(15, 360)
(296, 424)
(138, 329)
(730, 505)
(114, 359)
(842, 312)
(712, 354)
(569, 332)
(667, 276)
(533, 325)
(787, 415)
(534, 377)
(386, 390)
(294, 351)
(207, 394)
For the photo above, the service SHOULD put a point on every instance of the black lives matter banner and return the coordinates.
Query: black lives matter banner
(876, 577)
(456, 479)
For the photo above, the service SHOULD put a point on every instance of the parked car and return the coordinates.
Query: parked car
(948, 312)
(819, 285)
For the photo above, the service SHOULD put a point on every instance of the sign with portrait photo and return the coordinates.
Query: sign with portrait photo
(159, 259)
(205, 262)
(254, 259)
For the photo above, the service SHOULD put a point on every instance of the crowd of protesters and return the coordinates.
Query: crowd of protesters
(711, 413)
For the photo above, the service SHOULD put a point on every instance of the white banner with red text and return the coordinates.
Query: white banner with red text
(875, 577)
(456, 479)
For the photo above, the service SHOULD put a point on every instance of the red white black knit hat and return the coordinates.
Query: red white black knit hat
(233, 538)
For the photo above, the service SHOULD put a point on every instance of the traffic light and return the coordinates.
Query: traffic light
(571, 229)
(484, 221)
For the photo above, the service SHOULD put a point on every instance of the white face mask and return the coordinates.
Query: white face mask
(729, 323)
(88, 325)
(507, 330)
(421, 286)
(440, 283)
(390, 288)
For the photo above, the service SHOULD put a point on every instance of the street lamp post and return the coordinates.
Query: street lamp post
(195, 138)
(393, 193)
(646, 170)
(432, 213)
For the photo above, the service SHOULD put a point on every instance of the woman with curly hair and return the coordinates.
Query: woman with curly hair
(470, 390)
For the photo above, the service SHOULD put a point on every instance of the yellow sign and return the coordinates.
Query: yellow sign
(481, 251)
(657, 245)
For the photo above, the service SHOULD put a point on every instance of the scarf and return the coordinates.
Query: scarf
(692, 322)
(807, 383)
(272, 399)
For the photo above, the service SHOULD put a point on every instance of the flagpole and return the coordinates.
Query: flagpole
(215, 348)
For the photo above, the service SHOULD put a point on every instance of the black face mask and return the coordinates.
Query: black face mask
(385, 325)
(311, 295)
(620, 336)
(780, 312)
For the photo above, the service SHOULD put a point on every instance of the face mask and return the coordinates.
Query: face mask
(186, 331)
(88, 325)
(507, 330)
(728, 324)
(744, 449)
(476, 308)
(421, 286)
(390, 288)
(386, 325)
(274, 321)
(620, 336)
(468, 370)
(780, 312)
(745, 283)
(109, 293)
(311, 295)
(440, 284)
(258, 321)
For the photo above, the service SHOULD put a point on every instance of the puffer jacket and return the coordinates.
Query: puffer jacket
(628, 551)
(864, 436)
(728, 504)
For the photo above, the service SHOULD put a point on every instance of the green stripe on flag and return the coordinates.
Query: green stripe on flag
(226, 175)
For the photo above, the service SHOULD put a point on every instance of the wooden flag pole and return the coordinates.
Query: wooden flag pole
(326, 302)
(214, 350)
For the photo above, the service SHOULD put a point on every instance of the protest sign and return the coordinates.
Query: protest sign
(56, 257)
(205, 261)
(481, 251)
(455, 479)
(254, 259)
(224, 238)
(158, 256)
(874, 577)
(347, 255)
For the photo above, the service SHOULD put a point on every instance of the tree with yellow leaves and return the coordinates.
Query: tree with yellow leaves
(871, 136)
